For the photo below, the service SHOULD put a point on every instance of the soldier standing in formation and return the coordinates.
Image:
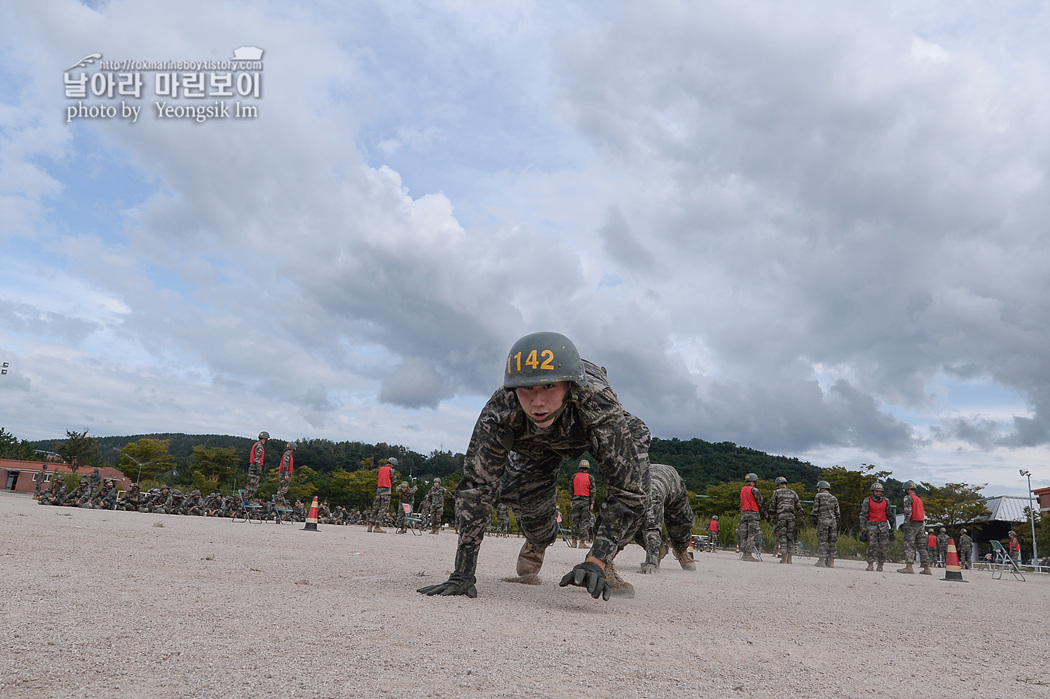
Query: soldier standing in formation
(255, 466)
(942, 547)
(381, 505)
(436, 502)
(40, 477)
(965, 548)
(582, 489)
(553, 405)
(712, 533)
(876, 525)
(784, 507)
(913, 528)
(668, 505)
(502, 520)
(284, 471)
(751, 511)
(825, 514)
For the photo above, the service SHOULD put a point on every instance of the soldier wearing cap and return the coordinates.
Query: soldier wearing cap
(965, 548)
(435, 501)
(255, 465)
(552, 406)
(942, 547)
(582, 489)
(825, 514)
(876, 527)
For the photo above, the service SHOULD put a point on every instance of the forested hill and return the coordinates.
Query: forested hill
(703, 463)
(700, 463)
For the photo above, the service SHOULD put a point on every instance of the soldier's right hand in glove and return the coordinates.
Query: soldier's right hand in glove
(457, 584)
(589, 575)
(648, 568)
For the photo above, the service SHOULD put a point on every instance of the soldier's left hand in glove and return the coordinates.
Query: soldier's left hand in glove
(457, 584)
(589, 575)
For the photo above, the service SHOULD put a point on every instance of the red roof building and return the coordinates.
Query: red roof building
(20, 476)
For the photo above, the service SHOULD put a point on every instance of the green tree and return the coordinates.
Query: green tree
(12, 448)
(851, 487)
(214, 468)
(954, 504)
(79, 450)
(146, 459)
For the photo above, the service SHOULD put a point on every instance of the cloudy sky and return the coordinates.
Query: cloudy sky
(819, 229)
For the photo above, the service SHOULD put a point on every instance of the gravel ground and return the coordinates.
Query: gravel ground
(120, 604)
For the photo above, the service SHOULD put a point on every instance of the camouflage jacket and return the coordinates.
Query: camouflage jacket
(436, 496)
(785, 501)
(825, 509)
(593, 421)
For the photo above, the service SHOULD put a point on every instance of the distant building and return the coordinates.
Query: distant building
(1043, 497)
(20, 476)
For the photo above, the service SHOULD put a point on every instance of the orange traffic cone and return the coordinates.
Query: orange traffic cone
(952, 570)
(311, 518)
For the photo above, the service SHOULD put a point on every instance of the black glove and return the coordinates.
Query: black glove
(863, 536)
(457, 584)
(589, 575)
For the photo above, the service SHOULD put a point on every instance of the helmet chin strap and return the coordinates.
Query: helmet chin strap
(552, 417)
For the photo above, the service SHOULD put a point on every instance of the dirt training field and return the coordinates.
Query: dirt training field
(120, 604)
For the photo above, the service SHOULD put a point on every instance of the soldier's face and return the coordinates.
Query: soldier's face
(541, 402)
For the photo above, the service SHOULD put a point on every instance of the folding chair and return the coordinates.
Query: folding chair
(250, 509)
(284, 514)
(1001, 559)
(413, 522)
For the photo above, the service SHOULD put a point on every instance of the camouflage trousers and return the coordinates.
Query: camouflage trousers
(965, 552)
(785, 527)
(282, 489)
(580, 515)
(915, 542)
(530, 487)
(748, 531)
(827, 539)
(254, 472)
(878, 542)
(677, 516)
(381, 506)
(503, 525)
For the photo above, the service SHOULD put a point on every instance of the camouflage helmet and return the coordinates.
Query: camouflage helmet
(290, 445)
(714, 516)
(585, 464)
(437, 481)
(404, 484)
(876, 486)
(780, 480)
(543, 358)
(824, 484)
(752, 477)
(962, 531)
(911, 485)
(264, 435)
(392, 461)
(1011, 533)
(943, 530)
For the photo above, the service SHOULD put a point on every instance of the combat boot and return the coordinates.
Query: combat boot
(748, 556)
(370, 524)
(790, 559)
(878, 568)
(378, 530)
(926, 571)
(618, 587)
(831, 563)
(871, 567)
(575, 544)
(530, 558)
(907, 569)
(820, 563)
(435, 530)
(683, 558)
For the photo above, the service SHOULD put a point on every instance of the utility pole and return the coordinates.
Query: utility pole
(1031, 517)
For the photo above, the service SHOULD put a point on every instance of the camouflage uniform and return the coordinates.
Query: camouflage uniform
(94, 481)
(914, 536)
(502, 520)
(825, 514)
(668, 504)
(56, 494)
(436, 502)
(878, 533)
(582, 506)
(405, 496)
(784, 506)
(106, 498)
(131, 500)
(965, 549)
(39, 482)
(748, 532)
(511, 456)
(942, 548)
(255, 467)
(284, 472)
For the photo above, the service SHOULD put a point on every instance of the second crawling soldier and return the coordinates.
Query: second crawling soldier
(553, 406)
(668, 505)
